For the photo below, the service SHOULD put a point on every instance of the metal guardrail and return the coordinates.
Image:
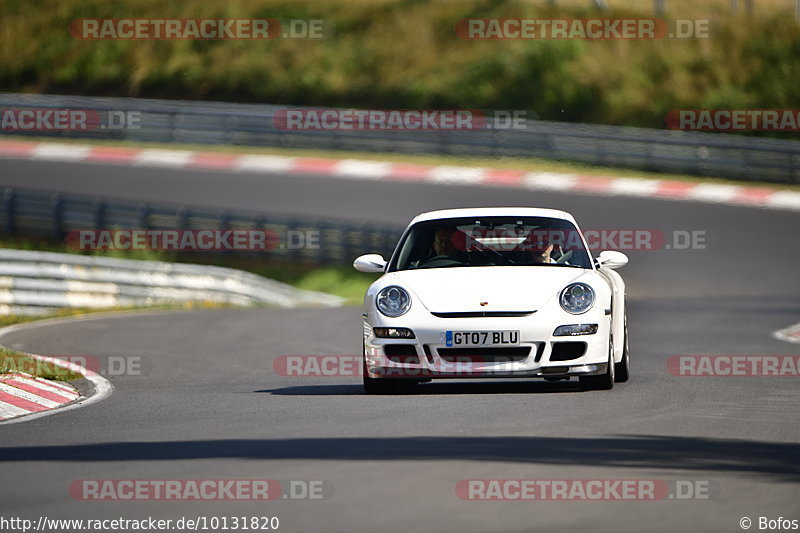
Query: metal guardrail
(35, 283)
(54, 215)
(703, 154)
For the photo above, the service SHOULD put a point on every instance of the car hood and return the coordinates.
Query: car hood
(511, 289)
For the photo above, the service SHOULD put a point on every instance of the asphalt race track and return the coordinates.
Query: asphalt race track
(211, 407)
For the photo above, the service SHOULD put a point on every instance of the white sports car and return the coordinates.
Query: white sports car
(494, 293)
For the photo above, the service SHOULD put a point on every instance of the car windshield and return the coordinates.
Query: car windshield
(491, 241)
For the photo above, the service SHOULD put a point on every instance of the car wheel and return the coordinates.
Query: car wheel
(603, 381)
(386, 385)
(622, 369)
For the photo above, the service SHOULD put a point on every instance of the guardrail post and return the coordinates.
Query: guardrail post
(259, 225)
(325, 254)
(650, 158)
(746, 170)
(56, 202)
(702, 155)
(365, 243)
(338, 235)
(389, 240)
(9, 199)
(550, 146)
(794, 176)
(293, 227)
(348, 233)
(223, 220)
(99, 213)
(279, 228)
(172, 127)
(143, 214)
(182, 216)
(226, 130)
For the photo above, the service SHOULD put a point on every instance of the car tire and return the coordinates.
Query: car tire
(622, 369)
(385, 386)
(378, 386)
(603, 381)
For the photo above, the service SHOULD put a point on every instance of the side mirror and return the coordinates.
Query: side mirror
(611, 259)
(370, 263)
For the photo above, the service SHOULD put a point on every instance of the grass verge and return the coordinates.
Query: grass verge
(13, 361)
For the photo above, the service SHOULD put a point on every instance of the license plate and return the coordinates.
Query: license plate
(481, 338)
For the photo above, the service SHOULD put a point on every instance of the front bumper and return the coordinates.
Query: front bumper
(538, 355)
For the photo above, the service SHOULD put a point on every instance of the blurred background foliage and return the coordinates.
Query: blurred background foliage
(406, 54)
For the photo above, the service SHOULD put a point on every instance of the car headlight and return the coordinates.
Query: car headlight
(572, 330)
(577, 298)
(393, 333)
(393, 301)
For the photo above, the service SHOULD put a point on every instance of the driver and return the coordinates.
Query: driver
(443, 242)
(540, 253)
(539, 248)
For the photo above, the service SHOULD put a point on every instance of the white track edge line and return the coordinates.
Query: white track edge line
(783, 334)
(102, 387)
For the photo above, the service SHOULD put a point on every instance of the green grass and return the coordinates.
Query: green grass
(12, 361)
(405, 54)
(345, 281)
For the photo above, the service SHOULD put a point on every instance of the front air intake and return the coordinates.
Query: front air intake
(483, 314)
(567, 351)
(484, 355)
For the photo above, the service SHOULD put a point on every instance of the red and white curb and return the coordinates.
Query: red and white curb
(24, 397)
(741, 195)
(22, 394)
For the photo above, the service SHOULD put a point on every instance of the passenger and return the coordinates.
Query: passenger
(443, 245)
(540, 249)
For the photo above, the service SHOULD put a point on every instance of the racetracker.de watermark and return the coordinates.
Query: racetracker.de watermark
(197, 29)
(333, 119)
(586, 28)
(403, 366)
(734, 365)
(734, 119)
(576, 490)
(67, 119)
(120, 490)
(194, 240)
(622, 239)
(109, 366)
